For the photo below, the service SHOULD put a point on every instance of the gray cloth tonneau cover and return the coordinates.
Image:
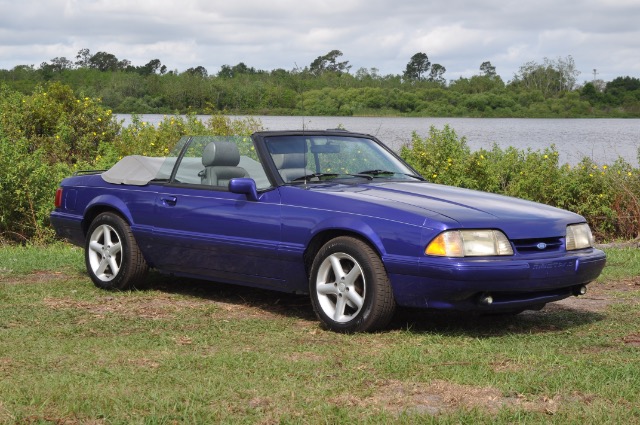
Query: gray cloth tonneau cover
(135, 170)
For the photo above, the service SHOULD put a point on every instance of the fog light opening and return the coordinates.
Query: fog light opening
(580, 290)
(485, 299)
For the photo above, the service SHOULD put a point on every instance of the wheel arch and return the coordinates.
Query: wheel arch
(362, 232)
(103, 204)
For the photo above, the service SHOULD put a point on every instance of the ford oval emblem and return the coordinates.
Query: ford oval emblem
(541, 245)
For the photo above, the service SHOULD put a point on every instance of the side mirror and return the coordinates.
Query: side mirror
(244, 186)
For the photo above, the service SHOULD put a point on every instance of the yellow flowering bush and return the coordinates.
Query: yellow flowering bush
(51, 133)
(66, 128)
(608, 196)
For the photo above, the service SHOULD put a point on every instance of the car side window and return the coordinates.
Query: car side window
(213, 161)
(189, 170)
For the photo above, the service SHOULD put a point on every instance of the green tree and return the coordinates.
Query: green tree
(487, 70)
(623, 84)
(418, 66)
(241, 68)
(83, 58)
(329, 63)
(152, 67)
(551, 77)
(104, 61)
(198, 71)
(477, 84)
(589, 92)
(568, 72)
(364, 74)
(61, 63)
(437, 74)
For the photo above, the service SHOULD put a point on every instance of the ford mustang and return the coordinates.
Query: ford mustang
(333, 214)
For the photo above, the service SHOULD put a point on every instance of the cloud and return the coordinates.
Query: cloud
(458, 34)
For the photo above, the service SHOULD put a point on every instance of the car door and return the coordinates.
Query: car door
(202, 229)
(213, 231)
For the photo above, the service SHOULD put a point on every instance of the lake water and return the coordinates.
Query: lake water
(603, 140)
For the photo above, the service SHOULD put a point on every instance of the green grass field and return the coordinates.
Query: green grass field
(189, 351)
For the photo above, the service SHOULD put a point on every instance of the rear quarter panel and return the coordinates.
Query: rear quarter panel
(84, 197)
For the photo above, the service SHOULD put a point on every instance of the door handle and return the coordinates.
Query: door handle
(169, 201)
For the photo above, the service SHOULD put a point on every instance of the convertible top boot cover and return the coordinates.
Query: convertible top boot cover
(134, 170)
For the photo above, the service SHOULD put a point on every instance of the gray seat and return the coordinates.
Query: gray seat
(220, 160)
(291, 166)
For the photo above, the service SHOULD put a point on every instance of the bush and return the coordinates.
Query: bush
(42, 137)
(51, 133)
(607, 196)
(48, 135)
(27, 187)
(63, 127)
(142, 138)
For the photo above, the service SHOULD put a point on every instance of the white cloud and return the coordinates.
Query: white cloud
(458, 34)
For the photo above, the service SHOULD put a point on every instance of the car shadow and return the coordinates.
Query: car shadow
(552, 318)
(269, 301)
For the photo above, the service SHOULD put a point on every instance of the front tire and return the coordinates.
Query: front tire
(349, 287)
(112, 256)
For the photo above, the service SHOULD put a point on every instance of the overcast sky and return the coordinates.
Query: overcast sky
(383, 34)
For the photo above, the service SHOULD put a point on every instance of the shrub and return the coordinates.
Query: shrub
(607, 196)
(42, 137)
(142, 138)
(48, 135)
(53, 120)
(27, 185)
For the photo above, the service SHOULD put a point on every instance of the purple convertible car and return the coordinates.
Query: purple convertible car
(334, 214)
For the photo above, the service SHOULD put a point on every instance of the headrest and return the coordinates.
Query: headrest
(289, 160)
(218, 154)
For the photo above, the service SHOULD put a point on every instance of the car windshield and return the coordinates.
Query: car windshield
(312, 158)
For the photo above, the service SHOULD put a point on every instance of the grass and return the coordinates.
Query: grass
(198, 352)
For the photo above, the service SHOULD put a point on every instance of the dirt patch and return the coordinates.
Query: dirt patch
(439, 397)
(38, 276)
(155, 306)
(633, 340)
(144, 363)
(621, 285)
(304, 356)
(224, 302)
(598, 297)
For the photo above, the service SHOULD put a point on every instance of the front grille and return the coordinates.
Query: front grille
(536, 246)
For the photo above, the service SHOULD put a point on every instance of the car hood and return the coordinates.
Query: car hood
(441, 206)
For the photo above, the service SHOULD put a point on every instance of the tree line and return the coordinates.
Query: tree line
(329, 86)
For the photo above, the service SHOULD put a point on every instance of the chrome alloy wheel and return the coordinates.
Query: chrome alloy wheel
(105, 252)
(340, 286)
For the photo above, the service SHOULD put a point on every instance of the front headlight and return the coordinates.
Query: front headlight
(578, 237)
(469, 243)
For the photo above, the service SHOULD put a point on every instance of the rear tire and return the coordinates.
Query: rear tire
(349, 287)
(112, 256)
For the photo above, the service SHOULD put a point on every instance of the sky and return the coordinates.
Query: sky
(600, 35)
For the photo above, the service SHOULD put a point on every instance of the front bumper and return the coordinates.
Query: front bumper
(513, 284)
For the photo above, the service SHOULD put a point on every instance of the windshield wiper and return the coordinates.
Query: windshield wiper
(387, 173)
(320, 175)
(314, 175)
(377, 172)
